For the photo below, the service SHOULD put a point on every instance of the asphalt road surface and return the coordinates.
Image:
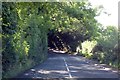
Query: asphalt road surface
(69, 66)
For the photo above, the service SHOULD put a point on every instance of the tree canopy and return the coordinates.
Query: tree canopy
(29, 28)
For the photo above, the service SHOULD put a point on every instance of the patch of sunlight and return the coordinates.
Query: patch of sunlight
(58, 51)
(32, 69)
(115, 71)
(26, 74)
(106, 69)
(103, 68)
(59, 71)
(26, 47)
(96, 64)
(78, 49)
(37, 77)
(75, 53)
(110, 63)
(43, 72)
(19, 13)
(87, 46)
(51, 71)
(74, 71)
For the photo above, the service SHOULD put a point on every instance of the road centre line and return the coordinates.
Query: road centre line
(67, 68)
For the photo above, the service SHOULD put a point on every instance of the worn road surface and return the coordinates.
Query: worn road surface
(69, 66)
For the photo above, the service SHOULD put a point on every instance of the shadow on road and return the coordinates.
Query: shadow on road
(77, 67)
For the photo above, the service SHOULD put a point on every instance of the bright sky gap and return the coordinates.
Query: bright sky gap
(111, 7)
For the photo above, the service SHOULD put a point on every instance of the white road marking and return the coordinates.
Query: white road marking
(67, 68)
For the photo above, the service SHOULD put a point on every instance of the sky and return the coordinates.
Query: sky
(111, 7)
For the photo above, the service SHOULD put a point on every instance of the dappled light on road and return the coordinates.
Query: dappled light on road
(70, 66)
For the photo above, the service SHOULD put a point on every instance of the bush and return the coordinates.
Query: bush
(87, 47)
(24, 38)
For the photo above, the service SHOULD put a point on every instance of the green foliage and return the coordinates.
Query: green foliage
(87, 47)
(109, 37)
(106, 48)
(26, 27)
(8, 27)
(73, 24)
(24, 37)
(109, 42)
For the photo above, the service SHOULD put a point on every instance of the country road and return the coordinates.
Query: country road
(69, 66)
